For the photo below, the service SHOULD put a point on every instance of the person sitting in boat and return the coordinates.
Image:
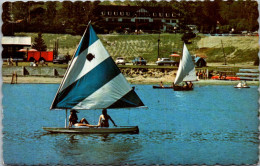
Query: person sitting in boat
(104, 118)
(186, 85)
(244, 84)
(73, 118)
(161, 84)
(190, 85)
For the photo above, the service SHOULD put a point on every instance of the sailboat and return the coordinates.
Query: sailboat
(186, 72)
(242, 85)
(93, 81)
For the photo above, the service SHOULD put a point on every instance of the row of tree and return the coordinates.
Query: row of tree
(47, 17)
(71, 17)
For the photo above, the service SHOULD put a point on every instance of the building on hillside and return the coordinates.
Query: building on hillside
(12, 44)
(132, 18)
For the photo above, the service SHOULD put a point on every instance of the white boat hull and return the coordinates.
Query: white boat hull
(99, 130)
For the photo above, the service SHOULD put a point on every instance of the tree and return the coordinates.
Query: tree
(256, 62)
(65, 17)
(6, 17)
(210, 11)
(39, 43)
(187, 36)
(19, 11)
(72, 17)
(50, 11)
(240, 15)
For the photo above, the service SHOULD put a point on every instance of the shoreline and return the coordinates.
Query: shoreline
(136, 80)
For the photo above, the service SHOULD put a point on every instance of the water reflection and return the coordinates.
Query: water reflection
(212, 124)
(72, 139)
(96, 148)
(238, 136)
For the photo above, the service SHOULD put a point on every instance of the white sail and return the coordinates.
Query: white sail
(186, 70)
(93, 80)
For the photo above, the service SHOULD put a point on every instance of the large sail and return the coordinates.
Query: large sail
(93, 80)
(186, 70)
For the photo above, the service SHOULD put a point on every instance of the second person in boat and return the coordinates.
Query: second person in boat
(188, 85)
(161, 84)
(104, 118)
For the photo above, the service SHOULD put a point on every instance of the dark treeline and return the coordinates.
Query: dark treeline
(72, 17)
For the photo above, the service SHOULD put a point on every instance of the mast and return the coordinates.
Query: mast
(158, 56)
(225, 63)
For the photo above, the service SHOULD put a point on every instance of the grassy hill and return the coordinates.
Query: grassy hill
(236, 48)
(130, 46)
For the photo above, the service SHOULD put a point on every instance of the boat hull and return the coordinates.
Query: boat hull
(159, 87)
(89, 130)
(242, 87)
(180, 88)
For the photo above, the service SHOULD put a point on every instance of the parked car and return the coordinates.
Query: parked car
(139, 61)
(166, 61)
(120, 60)
(61, 59)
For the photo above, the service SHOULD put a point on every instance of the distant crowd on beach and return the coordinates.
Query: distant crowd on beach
(12, 62)
(202, 74)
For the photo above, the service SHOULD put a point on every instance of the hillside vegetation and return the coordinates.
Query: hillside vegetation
(236, 48)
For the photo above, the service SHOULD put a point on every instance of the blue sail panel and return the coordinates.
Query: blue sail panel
(85, 62)
(111, 92)
(87, 40)
(129, 100)
(87, 84)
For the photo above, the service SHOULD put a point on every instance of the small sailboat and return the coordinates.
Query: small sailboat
(161, 86)
(242, 85)
(186, 72)
(93, 81)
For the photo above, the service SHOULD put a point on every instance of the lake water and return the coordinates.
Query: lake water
(209, 125)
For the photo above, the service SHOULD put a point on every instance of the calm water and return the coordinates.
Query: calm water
(212, 124)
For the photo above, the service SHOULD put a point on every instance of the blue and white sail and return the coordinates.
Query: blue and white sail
(93, 80)
(186, 70)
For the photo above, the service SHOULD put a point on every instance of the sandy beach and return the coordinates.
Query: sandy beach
(135, 80)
